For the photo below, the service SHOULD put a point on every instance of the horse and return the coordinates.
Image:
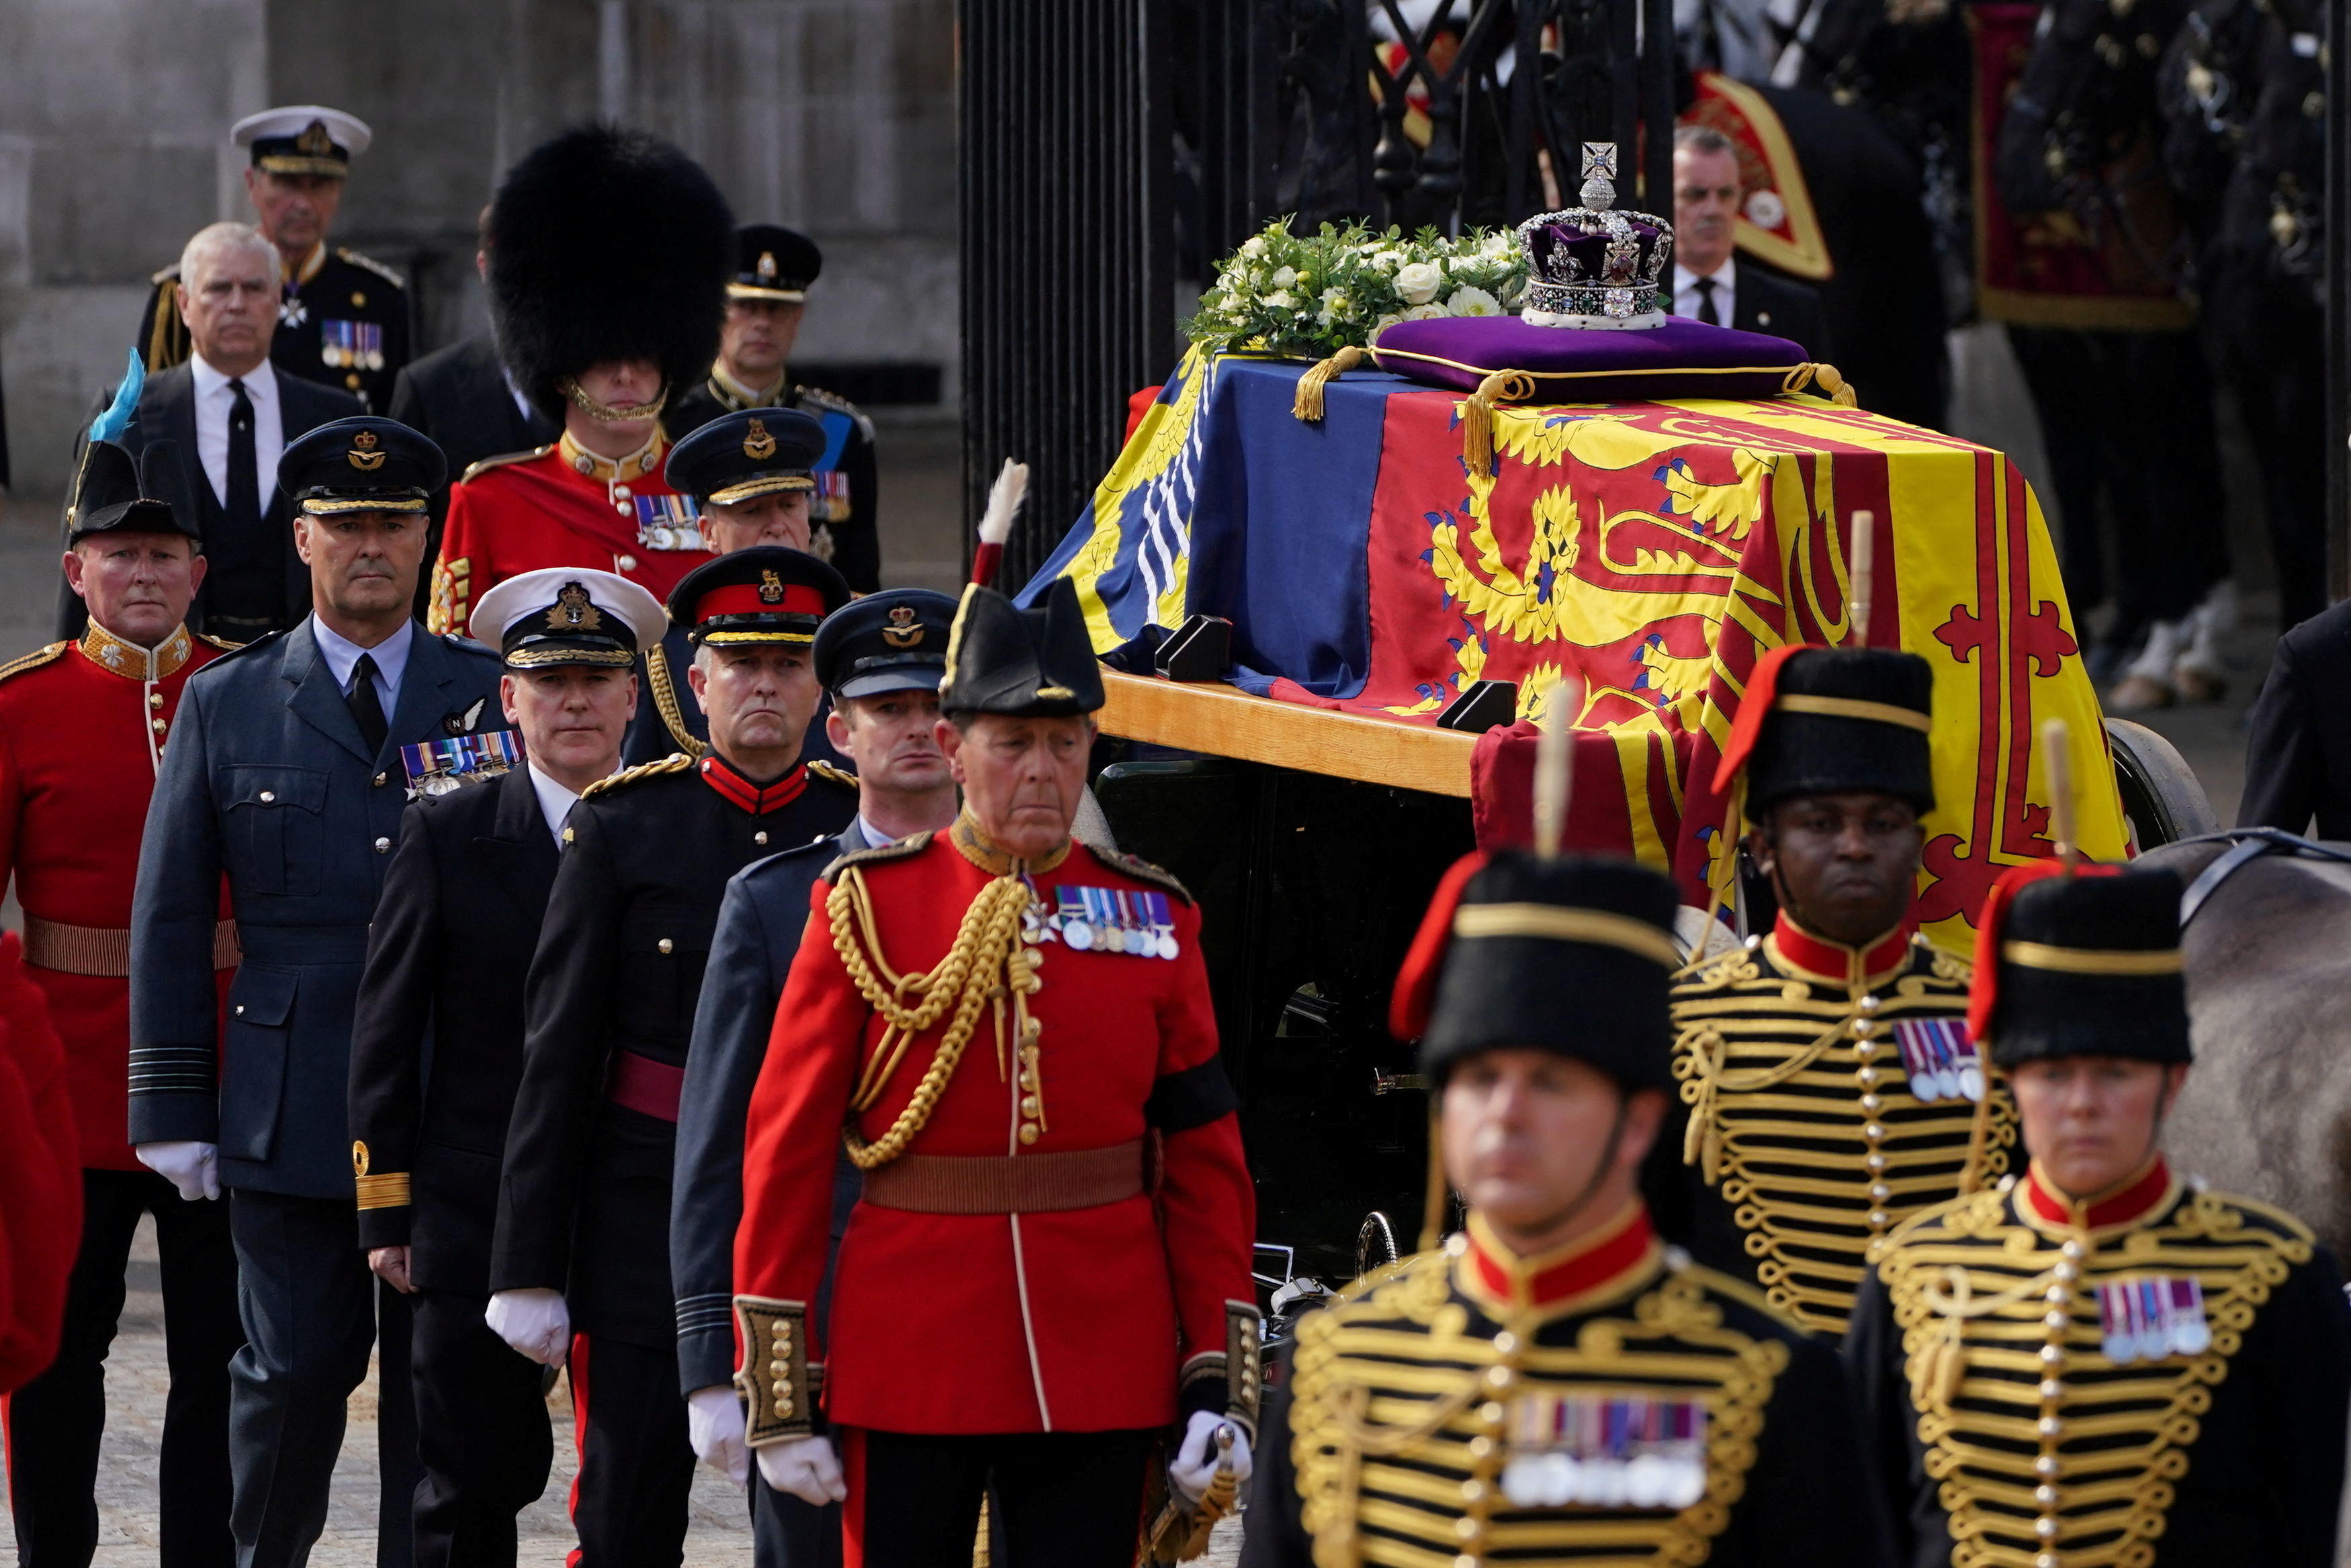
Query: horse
(2267, 1111)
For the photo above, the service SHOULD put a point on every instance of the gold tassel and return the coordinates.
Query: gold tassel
(1436, 1205)
(1477, 422)
(1813, 374)
(1308, 403)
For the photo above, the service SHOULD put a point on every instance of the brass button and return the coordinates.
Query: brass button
(240, 1010)
(358, 299)
(380, 779)
(626, 562)
(1028, 1132)
(664, 944)
(154, 699)
(760, 836)
(268, 796)
(159, 726)
(383, 846)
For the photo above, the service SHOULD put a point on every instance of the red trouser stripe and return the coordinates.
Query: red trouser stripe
(852, 1443)
(575, 1367)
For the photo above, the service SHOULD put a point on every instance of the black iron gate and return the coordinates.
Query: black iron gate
(1113, 149)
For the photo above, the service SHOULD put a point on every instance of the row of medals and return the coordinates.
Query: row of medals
(1082, 929)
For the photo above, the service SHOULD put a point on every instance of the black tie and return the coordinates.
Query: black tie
(243, 504)
(1706, 310)
(366, 707)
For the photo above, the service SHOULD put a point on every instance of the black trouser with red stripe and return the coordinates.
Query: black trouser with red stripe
(636, 1466)
(56, 1421)
(1059, 1500)
(481, 1432)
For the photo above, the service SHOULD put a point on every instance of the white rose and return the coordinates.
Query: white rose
(1284, 276)
(1386, 260)
(1278, 299)
(1424, 313)
(1498, 243)
(1473, 302)
(1383, 324)
(1418, 282)
(1255, 248)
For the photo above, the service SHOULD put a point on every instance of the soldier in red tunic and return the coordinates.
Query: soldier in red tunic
(598, 337)
(82, 730)
(1050, 1260)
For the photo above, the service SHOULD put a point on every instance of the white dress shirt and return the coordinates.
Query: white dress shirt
(391, 658)
(214, 400)
(554, 801)
(1725, 291)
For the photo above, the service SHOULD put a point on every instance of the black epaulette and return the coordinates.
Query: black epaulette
(485, 464)
(374, 266)
(903, 848)
(1143, 871)
(457, 642)
(223, 644)
(836, 404)
(35, 659)
(831, 774)
(675, 762)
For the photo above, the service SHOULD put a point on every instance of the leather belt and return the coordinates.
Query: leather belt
(103, 951)
(1012, 1184)
(648, 1087)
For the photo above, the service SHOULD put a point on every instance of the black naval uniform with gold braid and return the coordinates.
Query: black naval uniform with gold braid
(610, 1010)
(1802, 1136)
(342, 323)
(1410, 1406)
(2003, 1436)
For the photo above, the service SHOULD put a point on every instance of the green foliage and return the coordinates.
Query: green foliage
(1307, 299)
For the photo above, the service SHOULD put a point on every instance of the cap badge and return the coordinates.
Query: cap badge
(314, 139)
(758, 444)
(573, 611)
(771, 588)
(903, 630)
(767, 267)
(364, 457)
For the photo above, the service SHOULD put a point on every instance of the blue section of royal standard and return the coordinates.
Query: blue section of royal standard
(1279, 512)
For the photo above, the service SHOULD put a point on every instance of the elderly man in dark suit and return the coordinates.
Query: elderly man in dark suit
(1709, 285)
(231, 414)
(283, 776)
(451, 942)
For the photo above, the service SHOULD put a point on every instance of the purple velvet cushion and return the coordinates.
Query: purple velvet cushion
(1682, 359)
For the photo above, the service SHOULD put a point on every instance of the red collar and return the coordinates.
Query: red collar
(2138, 1198)
(757, 799)
(1600, 1265)
(1835, 961)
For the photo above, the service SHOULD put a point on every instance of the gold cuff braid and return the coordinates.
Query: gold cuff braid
(389, 1190)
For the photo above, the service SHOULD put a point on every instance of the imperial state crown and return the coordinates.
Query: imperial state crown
(1594, 266)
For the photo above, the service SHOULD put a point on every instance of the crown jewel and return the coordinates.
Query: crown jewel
(1594, 265)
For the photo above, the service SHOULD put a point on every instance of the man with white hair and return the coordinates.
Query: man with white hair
(231, 414)
(342, 317)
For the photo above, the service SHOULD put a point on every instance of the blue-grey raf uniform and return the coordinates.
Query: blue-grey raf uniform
(892, 641)
(269, 781)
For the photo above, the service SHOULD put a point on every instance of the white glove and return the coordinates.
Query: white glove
(1194, 1464)
(193, 1168)
(714, 1425)
(535, 1322)
(807, 1468)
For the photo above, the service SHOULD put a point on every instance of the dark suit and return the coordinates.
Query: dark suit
(584, 1198)
(1774, 305)
(450, 944)
(458, 396)
(2298, 735)
(759, 926)
(253, 585)
(268, 783)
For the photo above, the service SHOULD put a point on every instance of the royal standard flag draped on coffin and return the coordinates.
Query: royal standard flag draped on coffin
(1650, 552)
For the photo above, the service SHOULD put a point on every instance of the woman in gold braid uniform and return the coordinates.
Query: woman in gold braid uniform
(2100, 1365)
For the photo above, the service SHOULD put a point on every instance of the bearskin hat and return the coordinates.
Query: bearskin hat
(607, 244)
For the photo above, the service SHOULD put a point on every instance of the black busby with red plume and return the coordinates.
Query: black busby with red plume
(607, 243)
(2081, 960)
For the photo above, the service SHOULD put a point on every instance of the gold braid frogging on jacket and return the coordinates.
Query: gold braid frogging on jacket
(986, 962)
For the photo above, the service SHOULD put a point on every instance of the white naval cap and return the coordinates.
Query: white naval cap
(568, 615)
(303, 139)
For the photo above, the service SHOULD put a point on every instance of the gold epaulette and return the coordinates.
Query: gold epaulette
(675, 762)
(223, 644)
(373, 265)
(900, 850)
(35, 659)
(165, 275)
(503, 458)
(837, 404)
(1143, 871)
(831, 774)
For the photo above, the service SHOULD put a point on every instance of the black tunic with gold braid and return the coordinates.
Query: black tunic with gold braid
(2006, 1433)
(1429, 1415)
(1801, 1135)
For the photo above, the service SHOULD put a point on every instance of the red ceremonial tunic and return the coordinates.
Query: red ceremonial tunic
(1069, 1320)
(563, 506)
(40, 1178)
(82, 730)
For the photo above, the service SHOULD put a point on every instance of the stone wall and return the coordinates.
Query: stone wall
(833, 115)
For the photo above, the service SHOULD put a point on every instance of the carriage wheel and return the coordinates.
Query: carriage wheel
(1375, 1244)
(2160, 794)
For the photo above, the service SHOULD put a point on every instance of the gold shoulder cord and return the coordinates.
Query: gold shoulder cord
(987, 962)
(665, 703)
